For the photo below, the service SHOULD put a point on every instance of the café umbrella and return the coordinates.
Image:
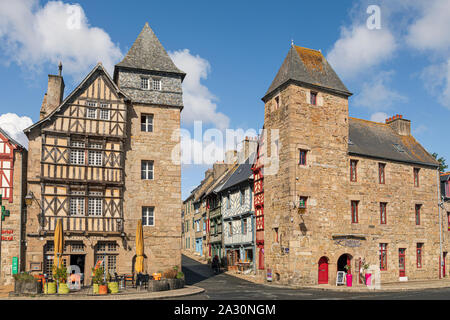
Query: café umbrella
(59, 243)
(139, 266)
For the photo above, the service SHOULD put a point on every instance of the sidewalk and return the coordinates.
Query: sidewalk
(131, 294)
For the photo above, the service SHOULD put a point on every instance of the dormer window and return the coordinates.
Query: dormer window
(157, 85)
(145, 83)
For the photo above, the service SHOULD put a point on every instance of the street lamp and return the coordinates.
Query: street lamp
(29, 198)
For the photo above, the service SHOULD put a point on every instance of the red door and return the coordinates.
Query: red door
(261, 258)
(402, 262)
(443, 265)
(323, 270)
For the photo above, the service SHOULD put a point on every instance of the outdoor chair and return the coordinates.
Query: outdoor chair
(142, 280)
(129, 278)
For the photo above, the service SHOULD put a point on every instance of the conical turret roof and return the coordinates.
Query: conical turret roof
(147, 53)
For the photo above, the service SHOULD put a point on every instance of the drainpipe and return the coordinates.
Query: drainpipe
(441, 259)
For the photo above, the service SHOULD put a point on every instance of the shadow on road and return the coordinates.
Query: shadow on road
(195, 271)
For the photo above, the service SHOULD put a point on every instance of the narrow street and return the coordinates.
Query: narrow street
(226, 287)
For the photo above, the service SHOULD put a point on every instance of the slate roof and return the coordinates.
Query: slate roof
(147, 53)
(242, 173)
(7, 136)
(307, 66)
(99, 67)
(379, 140)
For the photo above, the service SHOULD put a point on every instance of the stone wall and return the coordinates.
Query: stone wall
(305, 237)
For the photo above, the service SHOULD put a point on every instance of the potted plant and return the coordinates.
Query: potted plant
(98, 282)
(367, 276)
(349, 275)
(158, 284)
(113, 286)
(25, 283)
(171, 277)
(60, 275)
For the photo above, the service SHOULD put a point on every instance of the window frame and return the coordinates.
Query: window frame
(94, 202)
(353, 170)
(147, 171)
(77, 157)
(383, 259)
(77, 202)
(146, 81)
(302, 161)
(313, 98)
(156, 84)
(148, 126)
(416, 177)
(381, 173)
(95, 158)
(104, 109)
(146, 210)
(419, 255)
(383, 205)
(418, 209)
(354, 211)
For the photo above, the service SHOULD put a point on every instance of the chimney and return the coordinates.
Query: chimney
(55, 93)
(230, 156)
(249, 146)
(400, 125)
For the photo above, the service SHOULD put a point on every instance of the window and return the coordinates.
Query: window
(302, 202)
(275, 234)
(148, 219)
(383, 206)
(230, 228)
(157, 84)
(95, 158)
(145, 84)
(104, 113)
(355, 211)
(147, 170)
(77, 157)
(381, 173)
(448, 219)
(313, 98)
(419, 255)
(77, 206)
(416, 177)
(107, 253)
(302, 158)
(277, 103)
(383, 256)
(91, 113)
(95, 206)
(418, 207)
(244, 226)
(147, 123)
(241, 197)
(353, 170)
(228, 202)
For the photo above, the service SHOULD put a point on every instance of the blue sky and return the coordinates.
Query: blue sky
(232, 51)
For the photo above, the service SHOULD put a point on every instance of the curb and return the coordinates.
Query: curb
(187, 291)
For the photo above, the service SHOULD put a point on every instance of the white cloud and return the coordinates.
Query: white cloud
(436, 79)
(431, 29)
(32, 35)
(377, 95)
(379, 117)
(199, 102)
(360, 49)
(14, 126)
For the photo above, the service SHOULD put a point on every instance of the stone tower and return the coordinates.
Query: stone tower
(151, 80)
(308, 104)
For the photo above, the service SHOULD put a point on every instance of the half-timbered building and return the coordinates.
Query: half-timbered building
(101, 159)
(12, 185)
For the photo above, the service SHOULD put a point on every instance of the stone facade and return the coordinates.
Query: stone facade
(110, 130)
(296, 239)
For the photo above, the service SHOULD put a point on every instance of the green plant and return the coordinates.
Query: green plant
(23, 276)
(180, 275)
(366, 266)
(60, 274)
(98, 276)
(175, 268)
(347, 267)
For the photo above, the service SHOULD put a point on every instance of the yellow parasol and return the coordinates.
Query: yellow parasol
(59, 244)
(139, 266)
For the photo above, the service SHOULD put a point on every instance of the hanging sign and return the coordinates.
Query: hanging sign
(15, 265)
(340, 278)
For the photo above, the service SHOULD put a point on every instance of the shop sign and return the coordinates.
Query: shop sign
(7, 235)
(15, 265)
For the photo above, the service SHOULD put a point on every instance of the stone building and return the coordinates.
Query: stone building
(348, 190)
(445, 212)
(188, 234)
(13, 170)
(101, 159)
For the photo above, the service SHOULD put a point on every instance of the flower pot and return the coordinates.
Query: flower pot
(349, 280)
(95, 288)
(368, 277)
(50, 288)
(113, 287)
(102, 289)
(63, 288)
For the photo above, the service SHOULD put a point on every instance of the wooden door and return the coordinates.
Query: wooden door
(323, 270)
(402, 262)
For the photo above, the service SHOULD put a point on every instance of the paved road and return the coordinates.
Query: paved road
(226, 287)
